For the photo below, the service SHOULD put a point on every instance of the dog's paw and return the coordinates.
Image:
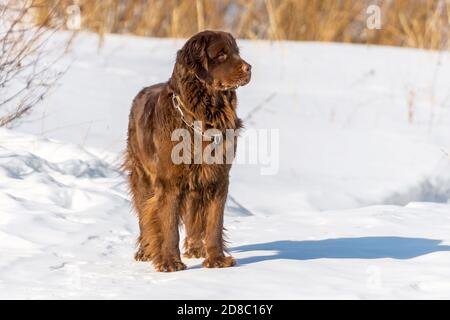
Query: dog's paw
(195, 253)
(170, 266)
(141, 256)
(219, 262)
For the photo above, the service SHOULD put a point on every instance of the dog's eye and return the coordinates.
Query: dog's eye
(221, 57)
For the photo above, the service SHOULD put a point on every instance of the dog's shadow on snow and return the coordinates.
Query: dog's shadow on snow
(341, 248)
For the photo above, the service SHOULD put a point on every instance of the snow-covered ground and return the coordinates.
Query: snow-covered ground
(359, 206)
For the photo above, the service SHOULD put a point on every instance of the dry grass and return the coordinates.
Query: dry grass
(411, 23)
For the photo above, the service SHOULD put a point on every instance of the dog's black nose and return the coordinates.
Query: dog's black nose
(246, 67)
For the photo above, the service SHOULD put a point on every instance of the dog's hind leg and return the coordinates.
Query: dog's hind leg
(141, 191)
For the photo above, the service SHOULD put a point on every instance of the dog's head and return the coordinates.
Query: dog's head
(213, 57)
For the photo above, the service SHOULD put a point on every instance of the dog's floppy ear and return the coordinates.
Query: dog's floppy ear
(193, 55)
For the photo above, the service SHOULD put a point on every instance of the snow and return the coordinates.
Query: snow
(358, 208)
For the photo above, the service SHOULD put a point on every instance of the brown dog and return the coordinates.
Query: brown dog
(207, 71)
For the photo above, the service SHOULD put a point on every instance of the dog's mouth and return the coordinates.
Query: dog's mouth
(226, 87)
(235, 86)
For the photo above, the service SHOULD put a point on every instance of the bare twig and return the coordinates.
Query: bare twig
(26, 67)
(259, 106)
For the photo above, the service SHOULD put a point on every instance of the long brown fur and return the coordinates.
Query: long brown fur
(207, 71)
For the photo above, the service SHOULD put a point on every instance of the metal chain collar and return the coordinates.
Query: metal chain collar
(178, 104)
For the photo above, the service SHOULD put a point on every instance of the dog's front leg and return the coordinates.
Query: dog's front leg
(162, 219)
(194, 222)
(214, 242)
(169, 217)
